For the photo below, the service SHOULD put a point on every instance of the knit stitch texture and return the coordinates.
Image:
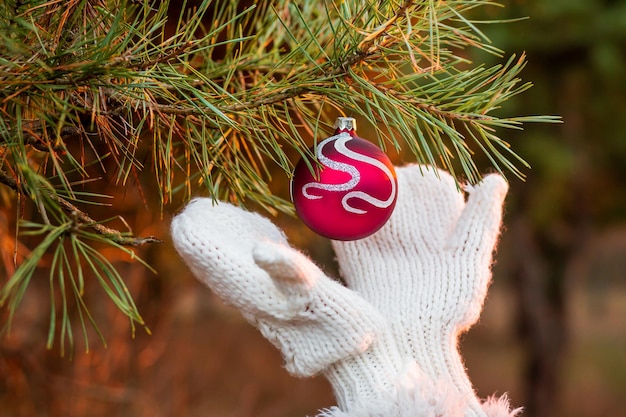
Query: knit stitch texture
(388, 341)
(435, 256)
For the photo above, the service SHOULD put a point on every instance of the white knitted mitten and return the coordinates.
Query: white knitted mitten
(386, 344)
(318, 324)
(247, 262)
(427, 271)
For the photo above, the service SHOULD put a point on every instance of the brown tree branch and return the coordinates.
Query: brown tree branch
(83, 218)
(32, 132)
(367, 47)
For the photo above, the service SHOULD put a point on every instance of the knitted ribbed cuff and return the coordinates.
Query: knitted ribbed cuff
(366, 377)
(434, 347)
(410, 394)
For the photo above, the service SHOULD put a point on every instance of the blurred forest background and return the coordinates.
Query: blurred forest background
(553, 332)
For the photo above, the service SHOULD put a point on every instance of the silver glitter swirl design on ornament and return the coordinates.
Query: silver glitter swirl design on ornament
(339, 144)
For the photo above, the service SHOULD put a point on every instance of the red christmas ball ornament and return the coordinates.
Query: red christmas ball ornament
(352, 190)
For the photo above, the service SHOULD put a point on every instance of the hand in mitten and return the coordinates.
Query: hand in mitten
(427, 271)
(374, 361)
(318, 324)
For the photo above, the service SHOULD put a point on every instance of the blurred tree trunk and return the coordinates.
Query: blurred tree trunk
(538, 274)
(543, 255)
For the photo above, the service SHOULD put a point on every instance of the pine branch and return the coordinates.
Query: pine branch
(366, 48)
(82, 218)
(32, 135)
(369, 44)
(234, 93)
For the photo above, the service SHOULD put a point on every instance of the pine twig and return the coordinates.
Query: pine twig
(83, 218)
(431, 108)
(32, 136)
(367, 46)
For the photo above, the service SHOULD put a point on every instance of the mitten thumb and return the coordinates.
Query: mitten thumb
(478, 226)
(331, 321)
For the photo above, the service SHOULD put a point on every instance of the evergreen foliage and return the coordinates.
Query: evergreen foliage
(220, 96)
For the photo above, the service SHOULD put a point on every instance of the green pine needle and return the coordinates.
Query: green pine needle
(217, 99)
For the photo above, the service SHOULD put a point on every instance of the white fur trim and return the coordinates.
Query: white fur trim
(500, 407)
(415, 395)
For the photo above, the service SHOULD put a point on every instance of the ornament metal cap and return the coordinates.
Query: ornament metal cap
(345, 123)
